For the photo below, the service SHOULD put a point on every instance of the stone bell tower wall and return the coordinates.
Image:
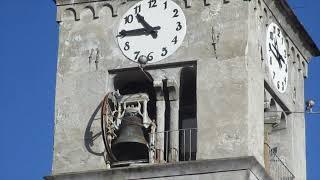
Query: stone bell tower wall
(216, 42)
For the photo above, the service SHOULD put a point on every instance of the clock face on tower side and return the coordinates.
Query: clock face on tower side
(151, 28)
(277, 59)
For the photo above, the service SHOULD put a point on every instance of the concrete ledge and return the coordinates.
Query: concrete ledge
(164, 171)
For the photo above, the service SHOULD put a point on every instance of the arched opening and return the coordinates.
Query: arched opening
(69, 15)
(188, 114)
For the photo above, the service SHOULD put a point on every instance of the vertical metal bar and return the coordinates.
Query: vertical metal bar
(167, 132)
(184, 144)
(190, 141)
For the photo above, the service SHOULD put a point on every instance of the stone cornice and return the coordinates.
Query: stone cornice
(283, 4)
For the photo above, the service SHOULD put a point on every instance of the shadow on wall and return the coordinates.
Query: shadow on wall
(91, 137)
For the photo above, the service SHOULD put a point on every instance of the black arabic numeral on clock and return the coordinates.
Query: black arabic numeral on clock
(282, 86)
(137, 9)
(164, 51)
(278, 32)
(270, 60)
(285, 79)
(137, 55)
(128, 19)
(165, 5)
(152, 3)
(175, 40)
(179, 27)
(175, 11)
(271, 36)
(278, 84)
(150, 57)
(274, 75)
(126, 46)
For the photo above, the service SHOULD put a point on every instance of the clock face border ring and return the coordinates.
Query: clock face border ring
(277, 59)
(170, 36)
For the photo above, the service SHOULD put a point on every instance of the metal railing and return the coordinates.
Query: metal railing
(174, 145)
(277, 168)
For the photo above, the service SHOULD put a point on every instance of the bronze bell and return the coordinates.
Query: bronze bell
(131, 143)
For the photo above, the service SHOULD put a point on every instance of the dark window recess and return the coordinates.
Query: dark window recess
(188, 115)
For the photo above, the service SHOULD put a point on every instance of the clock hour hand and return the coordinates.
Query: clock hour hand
(275, 54)
(136, 32)
(147, 26)
(279, 57)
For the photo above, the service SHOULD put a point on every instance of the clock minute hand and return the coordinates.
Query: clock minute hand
(276, 55)
(136, 32)
(279, 57)
(149, 28)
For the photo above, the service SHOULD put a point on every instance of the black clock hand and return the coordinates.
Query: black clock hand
(136, 32)
(279, 57)
(149, 28)
(276, 55)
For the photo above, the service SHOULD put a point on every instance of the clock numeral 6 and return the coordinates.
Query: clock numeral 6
(137, 55)
(126, 46)
(152, 3)
(175, 11)
(179, 27)
(128, 19)
(150, 57)
(164, 51)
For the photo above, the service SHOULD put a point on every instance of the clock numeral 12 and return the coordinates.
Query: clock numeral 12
(128, 19)
(152, 3)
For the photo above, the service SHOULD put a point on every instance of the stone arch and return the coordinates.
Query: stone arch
(88, 11)
(111, 8)
(69, 14)
(305, 69)
(287, 49)
(266, 19)
(106, 9)
(293, 52)
(299, 62)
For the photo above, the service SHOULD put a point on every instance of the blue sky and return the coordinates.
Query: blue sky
(28, 57)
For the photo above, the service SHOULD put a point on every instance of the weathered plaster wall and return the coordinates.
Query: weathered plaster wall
(222, 75)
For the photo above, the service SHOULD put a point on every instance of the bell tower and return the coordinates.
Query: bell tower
(157, 89)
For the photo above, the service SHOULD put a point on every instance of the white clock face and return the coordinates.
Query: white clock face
(277, 59)
(151, 28)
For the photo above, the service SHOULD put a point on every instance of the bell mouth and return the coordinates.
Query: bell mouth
(127, 151)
